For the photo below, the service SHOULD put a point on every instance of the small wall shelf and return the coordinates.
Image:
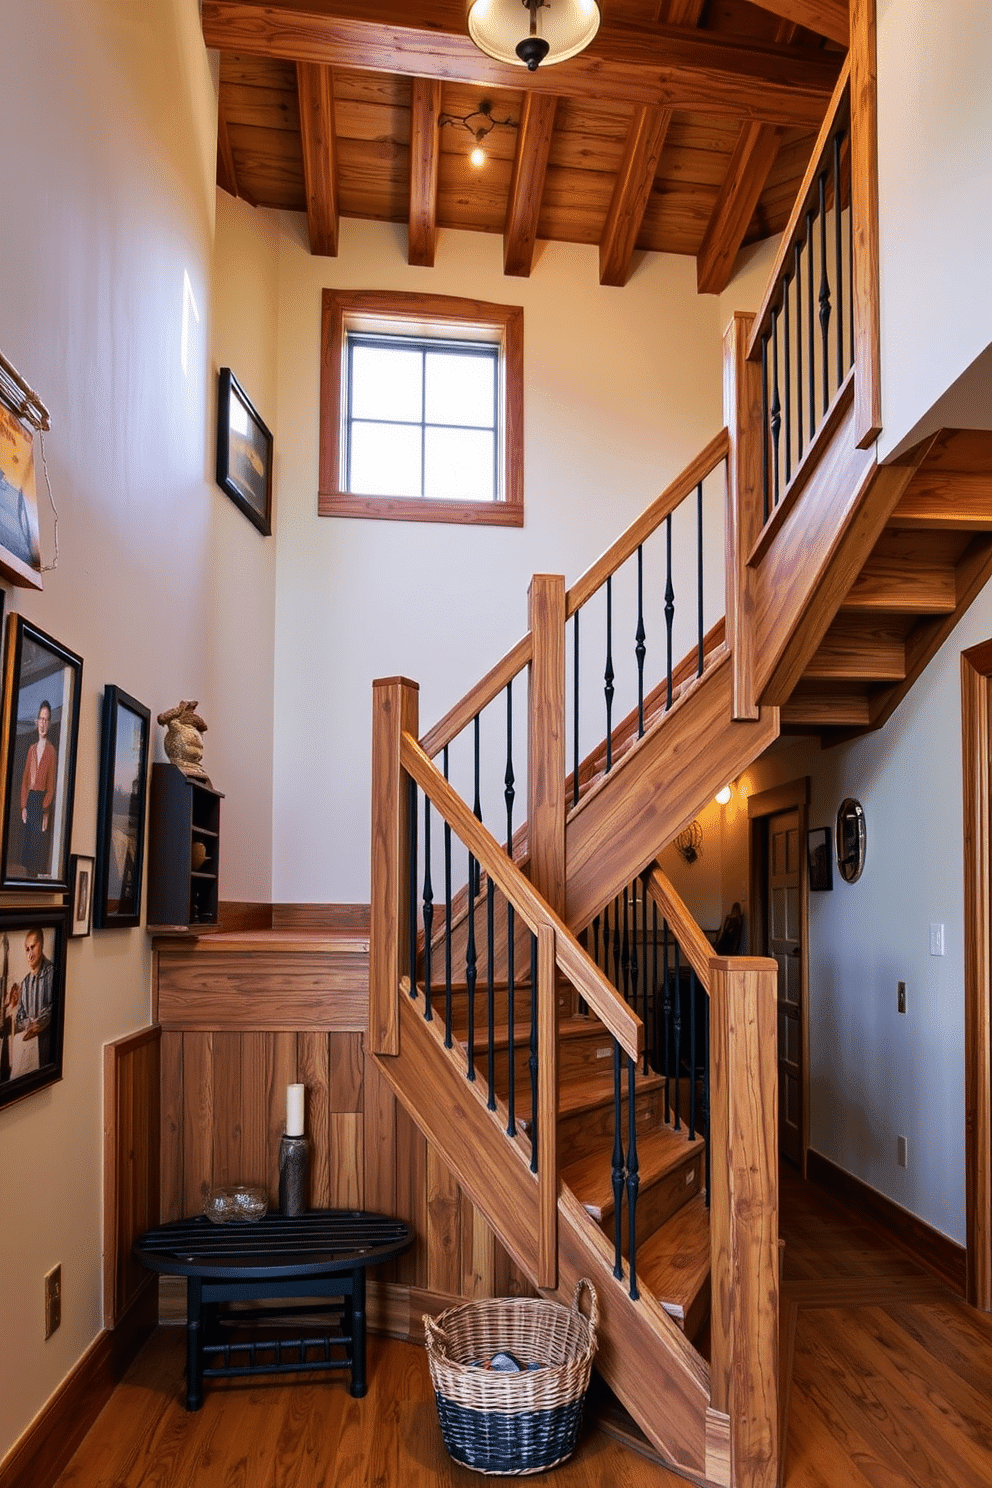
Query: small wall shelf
(183, 851)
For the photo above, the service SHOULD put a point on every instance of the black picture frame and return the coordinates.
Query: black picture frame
(38, 795)
(31, 1048)
(819, 859)
(244, 452)
(122, 810)
(80, 894)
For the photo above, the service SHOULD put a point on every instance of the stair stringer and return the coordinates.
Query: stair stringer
(643, 1356)
(656, 789)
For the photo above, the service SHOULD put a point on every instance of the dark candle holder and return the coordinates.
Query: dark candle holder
(294, 1162)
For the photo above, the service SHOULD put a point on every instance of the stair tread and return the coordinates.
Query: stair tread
(658, 1154)
(597, 1090)
(674, 1262)
(571, 1028)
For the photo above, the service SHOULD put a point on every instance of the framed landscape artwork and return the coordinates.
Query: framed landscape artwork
(42, 679)
(120, 842)
(32, 1000)
(244, 453)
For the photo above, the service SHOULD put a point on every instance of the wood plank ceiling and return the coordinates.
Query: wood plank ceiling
(684, 128)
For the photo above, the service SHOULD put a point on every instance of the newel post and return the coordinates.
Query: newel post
(546, 739)
(395, 710)
(742, 414)
(744, 1216)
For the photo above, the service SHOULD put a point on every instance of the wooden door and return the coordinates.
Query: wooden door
(785, 944)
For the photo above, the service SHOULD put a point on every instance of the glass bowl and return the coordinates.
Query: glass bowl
(236, 1201)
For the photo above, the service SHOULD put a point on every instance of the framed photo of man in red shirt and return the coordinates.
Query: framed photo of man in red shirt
(41, 688)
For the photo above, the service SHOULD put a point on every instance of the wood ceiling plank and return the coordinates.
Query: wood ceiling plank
(425, 109)
(319, 144)
(227, 176)
(750, 164)
(530, 166)
(830, 18)
(257, 72)
(676, 218)
(370, 123)
(665, 66)
(631, 194)
(471, 198)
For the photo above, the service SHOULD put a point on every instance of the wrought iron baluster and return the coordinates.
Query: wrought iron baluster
(617, 1175)
(645, 1015)
(616, 944)
(412, 885)
(677, 1033)
(699, 573)
(511, 1096)
(776, 421)
(428, 911)
(477, 803)
(470, 966)
(609, 674)
(633, 1177)
(654, 984)
(824, 296)
(595, 940)
(798, 274)
(491, 993)
(838, 261)
(508, 776)
(639, 637)
(667, 1020)
(447, 919)
(765, 417)
(532, 1060)
(634, 966)
(692, 1054)
(575, 709)
(810, 325)
(606, 939)
(669, 606)
(787, 371)
(625, 947)
(706, 1093)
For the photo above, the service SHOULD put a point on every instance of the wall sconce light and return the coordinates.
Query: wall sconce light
(479, 130)
(689, 842)
(557, 30)
(723, 796)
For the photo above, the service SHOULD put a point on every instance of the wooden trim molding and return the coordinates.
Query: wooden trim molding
(933, 1250)
(39, 1456)
(420, 314)
(131, 1108)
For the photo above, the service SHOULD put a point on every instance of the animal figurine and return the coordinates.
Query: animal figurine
(184, 730)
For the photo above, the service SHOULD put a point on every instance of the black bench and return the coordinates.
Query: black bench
(321, 1254)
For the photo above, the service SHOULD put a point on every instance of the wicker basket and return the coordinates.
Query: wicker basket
(512, 1423)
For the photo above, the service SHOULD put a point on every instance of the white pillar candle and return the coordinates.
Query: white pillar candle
(294, 1110)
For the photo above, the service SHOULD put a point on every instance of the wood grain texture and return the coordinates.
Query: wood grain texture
(667, 65)
(227, 175)
(350, 918)
(530, 164)
(691, 939)
(265, 988)
(394, 709)
(976, 771)
(829, 18)
(131, 1164)
(750, 165)
(864, 218)
(946, 501)
(656, 789)
(315, 84)
(546, 739)
(425, 110)
(547, 1108)
(744, 1214)
(742, 417)
(631, 193)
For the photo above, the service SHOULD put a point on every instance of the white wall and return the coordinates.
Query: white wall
(935, 187)
(107, 181)
(622, 388)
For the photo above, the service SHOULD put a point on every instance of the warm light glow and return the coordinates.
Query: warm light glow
(723, 796)
(497, 26)
(478, 156)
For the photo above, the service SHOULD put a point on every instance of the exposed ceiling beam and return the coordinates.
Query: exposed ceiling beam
(645, 142)
(227, 176)
(663, 66)
(826, 17)
(753, 157)
(537, 122)
(315, 87)
(425, 110)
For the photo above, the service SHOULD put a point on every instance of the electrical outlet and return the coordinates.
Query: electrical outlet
(901, 1156)
(53, 1300)
(902, 997)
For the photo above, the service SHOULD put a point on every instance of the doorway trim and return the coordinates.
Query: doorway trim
(976, 781)
(793, 795)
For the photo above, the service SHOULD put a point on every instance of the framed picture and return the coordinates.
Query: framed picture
(244, 453)
(80, 894)
(41, 683)
(20, 549)
(120, 839)
(819, 858)
(32, 1000)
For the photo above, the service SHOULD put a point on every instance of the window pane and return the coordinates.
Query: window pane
(459, 389)
(459, 465)
(385, 383)
(385, 460)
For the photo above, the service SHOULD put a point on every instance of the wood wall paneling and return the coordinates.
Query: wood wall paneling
(131, 1164)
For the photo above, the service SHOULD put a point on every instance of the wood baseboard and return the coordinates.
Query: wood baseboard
(941, 1256)
(38, 1457)
(354, 918)
(236, 914)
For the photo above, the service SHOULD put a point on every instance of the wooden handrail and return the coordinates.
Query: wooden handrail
(583, 973)
(688, 934)
(481, 695)
(643, 526)
(838, 115)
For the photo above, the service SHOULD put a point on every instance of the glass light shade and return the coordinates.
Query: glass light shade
(497, 26)
(723, 796)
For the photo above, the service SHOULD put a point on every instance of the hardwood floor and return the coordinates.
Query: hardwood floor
(889, 1387)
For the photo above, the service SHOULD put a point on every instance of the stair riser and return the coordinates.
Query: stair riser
(583, 1133)
(658, 1201)
(578, 1058)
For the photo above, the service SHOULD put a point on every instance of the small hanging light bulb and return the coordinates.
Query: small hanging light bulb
(478, 156)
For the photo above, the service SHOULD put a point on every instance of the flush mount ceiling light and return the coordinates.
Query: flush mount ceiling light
(479, 123)
(551, 31)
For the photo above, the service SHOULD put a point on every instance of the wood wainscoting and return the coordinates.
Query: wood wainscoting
(243, 1015)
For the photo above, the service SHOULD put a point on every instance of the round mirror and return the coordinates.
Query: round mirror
(851, 839)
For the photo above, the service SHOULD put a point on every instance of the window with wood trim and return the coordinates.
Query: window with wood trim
(421, 408)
